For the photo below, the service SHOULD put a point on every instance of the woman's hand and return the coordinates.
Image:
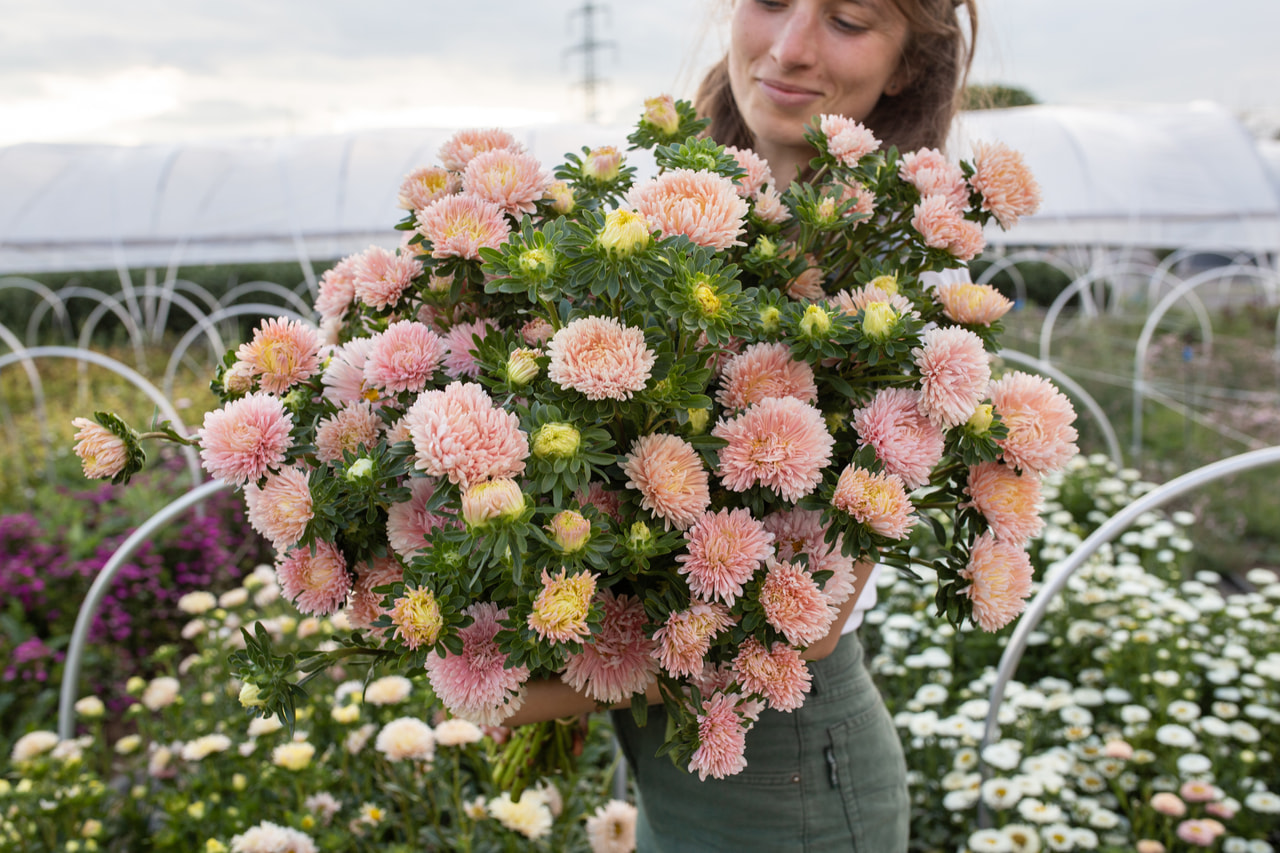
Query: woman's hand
(827, 645)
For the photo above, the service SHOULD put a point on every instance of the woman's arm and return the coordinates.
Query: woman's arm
(827, 645)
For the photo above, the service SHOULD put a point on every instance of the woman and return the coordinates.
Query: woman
(829, 776)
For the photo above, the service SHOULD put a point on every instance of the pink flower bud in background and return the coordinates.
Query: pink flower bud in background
(1147, 845)
(1118, 749)
(1168, 803)
(661, 113)
(602, 164)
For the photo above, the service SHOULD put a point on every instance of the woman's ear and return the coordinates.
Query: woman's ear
(899, 81)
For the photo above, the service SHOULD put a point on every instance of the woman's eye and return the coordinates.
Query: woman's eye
(771, 4)
(847, 26)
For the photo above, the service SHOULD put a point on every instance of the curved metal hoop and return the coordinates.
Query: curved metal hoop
(89, 609)
(45, 294)
(1057, 577)
(1080, 286)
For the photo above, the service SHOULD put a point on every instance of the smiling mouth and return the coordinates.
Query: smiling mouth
(786, 93)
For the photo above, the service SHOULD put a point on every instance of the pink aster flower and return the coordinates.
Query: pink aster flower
(365, 605)
(536, 332)
(801, 531)
(403, 357)
(477, 685)
(808, 285)
(459, 149)
(779, 673)
(282, 353)
(349, 428)
(382, 276)
(780, 443)
(460, 360)
(315, 582)
(423, 186)
(337, 289)
(702, 206)
(606, 502)
(930, 172)
(765, 370)
(999, 575)
(458, 226)
(954, 372)
(724, 550)
(770, 208)
(460, 434)
(102, 453)
(1008, 189)
(685, 638)
(669, 475)
(562, 606)
(601, 358)
(1199, 791)
(973, 304)
(758, 174)
(512, 180)
(877, 500)
(907, 442)
(794, 604)
(409, 523)
(1199, 832)
(245, 438)
(942, 226)
(847, 140)
(850, 302)
(1167, 803)
(864, 201)
(619, 660)
(722, 739)
(343, 377)
(1039, 417)
(281, 509)
(1009, 501)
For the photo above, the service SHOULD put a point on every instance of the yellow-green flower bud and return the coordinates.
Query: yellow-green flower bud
(492, 500)
(825, 212)
(538, 262)
(879, 320)
(765, 249)
(91, 828)
(698, 420)
(980, 421)
(556, 440)
(835, 421)
(360, 470)
(213, 845)
(251, 696)
(887, 283)
(196, 810)
(816, 322)
(624, 234)
(708, 300)
(90, 707)
(570, 531)
(522, 367)
(770, 319)
(661, 113)
(239, 782)
(639, 536)
(135, 685)
(561, 195)
(602, 164)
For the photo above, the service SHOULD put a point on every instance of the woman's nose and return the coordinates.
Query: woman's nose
(794, 44)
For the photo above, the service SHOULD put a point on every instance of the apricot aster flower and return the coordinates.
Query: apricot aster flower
(758, 173)
(416, 615)
(801, 531)
(954, 372)
(315, 582)
(619, 660)
(1039, 417)
(477, 685)
(850, 302)
(459, 149)
(343, 377)
(102, 453)
(404, 357)
(560, 611)
(601, 358)
(778, 673)
(684, 639)
(794, 604)
(847, 140)
(460, 434)
(907, 442)
(337, 289)
(999, 575)
(972, 304)
(670, 477)
(365, 605)
(281, 509)
(382, 276)
(348, 429)
(702, 206)
(1009, 501)
(282, 353)
(930, 172)
(409, 523)
(245, 438)
(765, 370)
(780, 443)
(942, 226)
(724, 550)
(1008, 189)
(423, 186)
(510, 179)
(460, 225)
(722, 739)
(460, 348)
(877, 500)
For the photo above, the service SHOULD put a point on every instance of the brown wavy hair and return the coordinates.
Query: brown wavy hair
(935, 63)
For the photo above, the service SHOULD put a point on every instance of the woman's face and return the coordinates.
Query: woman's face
(791, 60)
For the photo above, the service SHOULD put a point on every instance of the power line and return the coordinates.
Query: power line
(588, 46)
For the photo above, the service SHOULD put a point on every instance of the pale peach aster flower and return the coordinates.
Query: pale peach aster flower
(1039, 417)
(512, 180)
(1200, 832)
(1010, 502)
(281, 509)
(343, 377)
(282, 353)
(536, 332)
(409, 523)
(460, 434)
(722, 739)
(477, 685)
(847, 140)
(850, 302)
(765, 370)
(315, 582)
(460, 225)
(607, 502)
(602, 163)
(619, 660)
(930, 172)
(365, 605)
(954, 372)
(601, 358)
(102, 453)
(770, 208)
(406, 738)
(999, 575)
(942, 226)
(459, 149)
(245, 438)
(907, 442)
(794, 604)
(801, 531)
(416, 615)
(349, 428)
(1008, 189)
(685, 638)
(382, 276)
(612, 829)
(404, 357)
(560, 611)
(877, 500)
(670, 477)
(758, 174)
(779, 673)
(492, 500)
(724, 550)
(270, 836)
(423, 186)
(864, 200)
(337, 288)
(780, 443)
(973, 304)
(702, 206)
(460, 358)
(807, 285)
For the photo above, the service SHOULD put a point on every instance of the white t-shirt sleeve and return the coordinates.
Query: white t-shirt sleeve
(865, 602)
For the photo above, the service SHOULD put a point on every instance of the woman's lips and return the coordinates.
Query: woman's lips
(787, 94)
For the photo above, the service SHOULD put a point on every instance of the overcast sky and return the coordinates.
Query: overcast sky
(136, 71)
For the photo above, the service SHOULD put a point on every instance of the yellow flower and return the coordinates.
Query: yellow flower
(522, 366)
(293, 756)
(561, 608)
(887, 283)
(707, 299)
(556, 441)
(213, 845)
(698, 419)
(90, 707)
(416, 615)
(770, 319)
(251, 695)
(196, 810)
(345, 714)
(816, 322)
(624, 233)
(980, 420)
(878, 320)
(561, 196)
(538, 262)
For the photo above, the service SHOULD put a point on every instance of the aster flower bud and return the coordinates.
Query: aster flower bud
(602, 164)
(499, 499)
(439, 283)
(698, 420)
(556, 440)
(980, 420)
(522, 366)
(537, 263)
(764, 248)
(708, 300)
(360, 470)
(661, 113)
(570, 531)
(239, 782)
(135, 685)
(251, 695)
(770, 319)
(816, 322)
(239, 378)
(825, 212)
(879, 320)
(639, 536)
(887, 283)
(561, 196)
(624, 234)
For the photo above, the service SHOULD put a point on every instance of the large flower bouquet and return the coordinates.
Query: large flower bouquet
(618, 431)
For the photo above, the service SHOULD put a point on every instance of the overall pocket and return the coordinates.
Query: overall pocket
(866, 763)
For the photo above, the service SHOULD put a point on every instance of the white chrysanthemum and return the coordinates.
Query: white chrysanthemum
(32, 745)
(990, 841)
(389, 690)
(195, 603)
(406, 738)
(204, 746)
(530, 815)
(160, 693)
(1172, 734)
(1000, 793)
(457, 732)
